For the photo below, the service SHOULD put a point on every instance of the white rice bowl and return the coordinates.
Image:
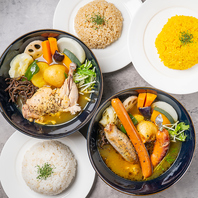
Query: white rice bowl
(59, 156)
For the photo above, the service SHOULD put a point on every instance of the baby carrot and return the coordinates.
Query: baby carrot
(132, 132)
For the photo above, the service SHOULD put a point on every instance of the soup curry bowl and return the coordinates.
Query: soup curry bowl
(50, 41)
(108, 156)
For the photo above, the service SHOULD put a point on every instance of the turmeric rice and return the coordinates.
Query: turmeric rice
(98, 24)
(177, 43)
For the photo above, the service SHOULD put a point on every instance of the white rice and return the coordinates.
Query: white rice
(59, 156)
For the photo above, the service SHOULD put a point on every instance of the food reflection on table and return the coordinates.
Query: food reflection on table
(140, 138)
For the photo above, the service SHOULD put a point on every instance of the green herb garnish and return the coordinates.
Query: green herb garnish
(176, 131)
(45, 171)
(85, 77)
(170, 158)
(162, 168)
(97, 20)
(185, 37)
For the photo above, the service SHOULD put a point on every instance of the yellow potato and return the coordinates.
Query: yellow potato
(38, 79)
(147, 130)
(55, 75)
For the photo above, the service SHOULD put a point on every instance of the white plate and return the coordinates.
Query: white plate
(113, 57)
(146, 25)
(11, 165)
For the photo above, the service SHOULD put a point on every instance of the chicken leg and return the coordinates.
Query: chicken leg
(47, 100)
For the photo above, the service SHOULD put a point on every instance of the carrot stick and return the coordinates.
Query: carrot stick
(46, 51)
(53, 44)
(161, 147)
(132, 132)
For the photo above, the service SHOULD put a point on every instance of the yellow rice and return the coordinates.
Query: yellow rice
(172, 52)
(94, 35)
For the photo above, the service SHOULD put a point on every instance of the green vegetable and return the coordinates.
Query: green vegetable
(185, 37)
(97, 20)
(176, 131)
(45, 171)
(169, 117)
(134, 120)
(72, 57)
(122, 129)
(66, 76)
(85, 77)
(31, 70)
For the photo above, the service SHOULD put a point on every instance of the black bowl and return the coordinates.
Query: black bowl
(171, 176)
(14, 116)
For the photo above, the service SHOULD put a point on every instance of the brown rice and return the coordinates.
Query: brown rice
(91, 31)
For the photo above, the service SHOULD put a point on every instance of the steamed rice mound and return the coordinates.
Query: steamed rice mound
(61, 159)
(172, 50)
(98, 35)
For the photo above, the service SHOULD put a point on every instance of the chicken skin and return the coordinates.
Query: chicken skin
(121, 143)
(47, 100)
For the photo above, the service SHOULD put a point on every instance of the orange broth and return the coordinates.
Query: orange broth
(62, 117)
(133, 172)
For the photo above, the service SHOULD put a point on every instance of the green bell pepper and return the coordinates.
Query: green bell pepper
(31, 70)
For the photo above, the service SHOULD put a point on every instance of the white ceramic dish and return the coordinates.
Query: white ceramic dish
(146, 25)
(115, 56)
(11, 165)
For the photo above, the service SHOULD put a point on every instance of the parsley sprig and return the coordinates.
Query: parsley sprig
(44, 171)
(186, 37)
(97, 20)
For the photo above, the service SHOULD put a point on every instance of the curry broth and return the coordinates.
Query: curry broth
(133, 172)
(62, 117)
(118, 165)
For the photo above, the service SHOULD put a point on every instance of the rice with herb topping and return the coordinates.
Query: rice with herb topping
(98, 24)
(49, 167)
(177, 43)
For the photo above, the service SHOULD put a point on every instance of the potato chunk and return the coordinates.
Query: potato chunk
(147, 131)
(55, 75)
(38, 79)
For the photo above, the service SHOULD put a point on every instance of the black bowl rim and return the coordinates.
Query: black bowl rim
(55, 136)
(96, 169)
